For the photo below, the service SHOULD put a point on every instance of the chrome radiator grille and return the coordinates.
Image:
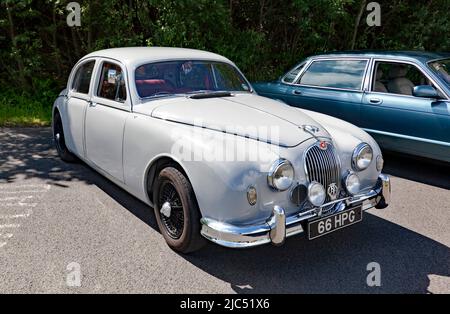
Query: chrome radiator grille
(322, 165)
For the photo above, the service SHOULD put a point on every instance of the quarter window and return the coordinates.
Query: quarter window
(112, 83)
(291, 76)
(82, 78)
(347, 74)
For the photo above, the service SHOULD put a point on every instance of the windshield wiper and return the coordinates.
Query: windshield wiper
(204, 95)
(162, 95)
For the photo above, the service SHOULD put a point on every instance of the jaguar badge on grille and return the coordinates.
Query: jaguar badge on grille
(332, 191)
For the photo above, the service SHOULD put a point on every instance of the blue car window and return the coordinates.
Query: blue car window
(347, 74)
(292, 75)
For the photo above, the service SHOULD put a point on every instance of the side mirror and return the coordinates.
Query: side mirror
(426, 91)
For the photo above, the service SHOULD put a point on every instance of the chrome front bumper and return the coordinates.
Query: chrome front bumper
(276, 229)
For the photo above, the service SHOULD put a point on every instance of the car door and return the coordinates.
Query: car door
(330, 86)
(106, 115)
(78, 97)
(399, 120)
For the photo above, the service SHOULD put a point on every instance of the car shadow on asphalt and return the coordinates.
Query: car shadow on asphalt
(417, 169)
(336, 263)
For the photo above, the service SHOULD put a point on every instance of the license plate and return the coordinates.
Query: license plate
(338, 221)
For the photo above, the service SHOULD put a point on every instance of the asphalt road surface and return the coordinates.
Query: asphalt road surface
(55, 217)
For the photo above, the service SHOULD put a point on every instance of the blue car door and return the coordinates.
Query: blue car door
(330, 86)
(400, 121)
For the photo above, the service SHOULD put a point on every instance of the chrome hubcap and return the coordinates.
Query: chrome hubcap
(166, 209)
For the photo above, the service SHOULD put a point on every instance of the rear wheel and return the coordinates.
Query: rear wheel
(60, 142)
(177, 212)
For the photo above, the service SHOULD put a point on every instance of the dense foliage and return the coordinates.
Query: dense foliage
(264, 37)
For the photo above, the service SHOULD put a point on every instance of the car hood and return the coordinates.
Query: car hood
(246, 115)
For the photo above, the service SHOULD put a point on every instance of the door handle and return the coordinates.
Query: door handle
(376, 101)
(297, 92)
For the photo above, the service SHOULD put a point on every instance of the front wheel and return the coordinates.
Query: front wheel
(177, 212)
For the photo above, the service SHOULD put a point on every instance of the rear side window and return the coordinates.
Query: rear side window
(290, 76)
(112, 83)
(347, 74)
(82, 78)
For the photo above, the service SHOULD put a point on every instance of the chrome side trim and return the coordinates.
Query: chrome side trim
(408, 137)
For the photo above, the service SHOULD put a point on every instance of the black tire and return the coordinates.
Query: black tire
(181, 229)
(60, 141)
(381, 204)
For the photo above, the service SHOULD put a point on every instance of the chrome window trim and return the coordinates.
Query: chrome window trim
(307, 66)
(301, 64)
(417, 65)
(408, 137)
(76, 68)
(99, 77)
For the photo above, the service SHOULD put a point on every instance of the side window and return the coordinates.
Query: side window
(112, 83)
(397, 78)
(290, 76)
(346, 74)
(82, 78)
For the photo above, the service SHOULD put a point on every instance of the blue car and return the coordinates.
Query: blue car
(401, 98)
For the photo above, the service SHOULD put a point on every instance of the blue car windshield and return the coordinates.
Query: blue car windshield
(186, 77)
(442, 69)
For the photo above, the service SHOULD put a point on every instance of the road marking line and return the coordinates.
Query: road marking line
(4, 186)
(6, 235)
(2, 244)
(21, 201)
(15, 216)
(29, 189)
(9, 226)
(18, 204)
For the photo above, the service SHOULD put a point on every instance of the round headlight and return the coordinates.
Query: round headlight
(362, 157)
(281, 175)
(316, 194)
(352, 183)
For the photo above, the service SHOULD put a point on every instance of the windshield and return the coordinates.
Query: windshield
(187, 77)
(442, 69)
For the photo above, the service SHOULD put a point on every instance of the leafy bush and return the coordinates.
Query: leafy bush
(264, 38)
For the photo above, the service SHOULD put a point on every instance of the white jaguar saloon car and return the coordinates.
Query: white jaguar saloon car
(183, 131)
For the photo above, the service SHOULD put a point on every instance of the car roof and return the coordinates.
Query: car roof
(421, 56)
(135, 56)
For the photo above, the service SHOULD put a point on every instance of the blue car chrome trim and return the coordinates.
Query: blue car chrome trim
(408, 137)
(278, 227)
